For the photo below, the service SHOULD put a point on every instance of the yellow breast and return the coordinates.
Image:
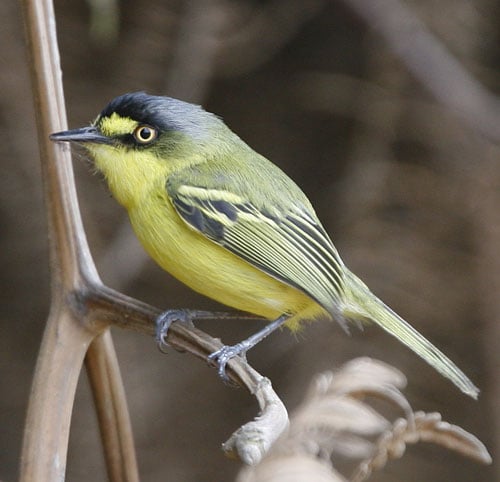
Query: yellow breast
(137, 180)
(207, 267)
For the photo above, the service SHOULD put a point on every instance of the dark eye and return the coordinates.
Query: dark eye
(145, 134)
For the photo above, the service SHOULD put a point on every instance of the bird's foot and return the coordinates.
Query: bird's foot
(166, 319)
(222, 356)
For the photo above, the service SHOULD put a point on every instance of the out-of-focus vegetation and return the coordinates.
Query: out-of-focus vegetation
(408, 190)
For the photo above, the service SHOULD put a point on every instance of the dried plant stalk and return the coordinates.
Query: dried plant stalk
(335, 419)
(82, 308)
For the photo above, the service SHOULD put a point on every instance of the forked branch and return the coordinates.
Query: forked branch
(82, 308)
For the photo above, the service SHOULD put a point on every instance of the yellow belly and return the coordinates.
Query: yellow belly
(212, 270)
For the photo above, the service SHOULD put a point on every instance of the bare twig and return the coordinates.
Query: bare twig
(254, 439)
(66, 336)
(110, 401)
(65, 340)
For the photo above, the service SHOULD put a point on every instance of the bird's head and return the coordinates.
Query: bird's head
(138, 139)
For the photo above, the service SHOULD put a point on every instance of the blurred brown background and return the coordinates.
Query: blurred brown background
(409, 193)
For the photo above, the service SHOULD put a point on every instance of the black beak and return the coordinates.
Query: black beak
(84, 134)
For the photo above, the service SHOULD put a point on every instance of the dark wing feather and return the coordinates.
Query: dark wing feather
(290, 246)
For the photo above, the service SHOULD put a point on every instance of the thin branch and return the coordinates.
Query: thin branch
(110, 401)
(65, 338)
(253, 440)
(51, 400)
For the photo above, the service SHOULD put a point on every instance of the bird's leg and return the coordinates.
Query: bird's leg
(187, 317)
(223, 355)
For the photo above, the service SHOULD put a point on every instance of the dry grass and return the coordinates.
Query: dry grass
(336, 420)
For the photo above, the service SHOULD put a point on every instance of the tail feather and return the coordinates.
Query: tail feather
(362, 303)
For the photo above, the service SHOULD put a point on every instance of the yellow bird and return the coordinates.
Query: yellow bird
(230, 224)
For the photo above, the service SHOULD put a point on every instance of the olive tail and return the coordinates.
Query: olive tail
(362, 303)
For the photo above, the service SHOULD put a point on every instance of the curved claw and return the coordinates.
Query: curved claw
(222, 356)
(163, 323)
